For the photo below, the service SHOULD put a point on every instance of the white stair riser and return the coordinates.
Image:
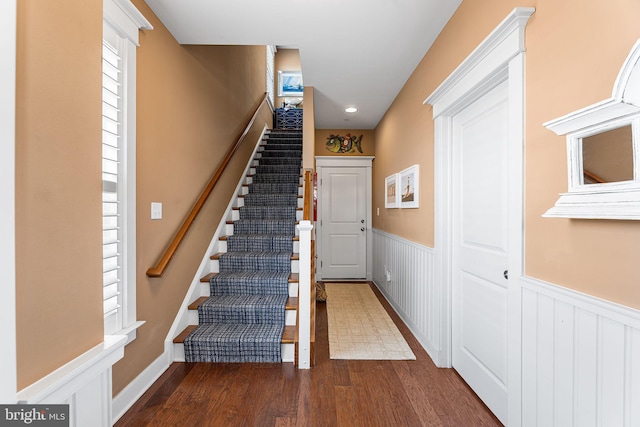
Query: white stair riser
(290, 317)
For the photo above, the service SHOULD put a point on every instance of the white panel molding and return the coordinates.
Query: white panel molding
(411, 290)
(84, 383)
(136, 388)
(580, 359)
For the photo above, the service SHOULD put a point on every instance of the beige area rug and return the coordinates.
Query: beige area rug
(359, 327)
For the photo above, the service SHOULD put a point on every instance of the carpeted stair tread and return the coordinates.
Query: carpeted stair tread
(250, 283)
(260, 242)
(268, 212)
(293, 277)
(255, 261)
(243, 309)
(265, 226)
(275, 178)
(282, 153)
(270, 199)
(292, 303)
(234, 343)
(280, 161)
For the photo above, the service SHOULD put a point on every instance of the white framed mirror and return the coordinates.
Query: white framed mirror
(603, 152)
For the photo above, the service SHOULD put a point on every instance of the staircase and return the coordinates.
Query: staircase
(248, 311)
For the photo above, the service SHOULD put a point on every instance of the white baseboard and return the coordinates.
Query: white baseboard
(136, 388)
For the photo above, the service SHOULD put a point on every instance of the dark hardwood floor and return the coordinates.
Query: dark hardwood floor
(333, 393)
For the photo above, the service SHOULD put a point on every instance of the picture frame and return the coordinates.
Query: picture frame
(392, 195)
(409, 187)
(290, 83)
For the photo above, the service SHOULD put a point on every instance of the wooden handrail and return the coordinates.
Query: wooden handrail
(160, 268)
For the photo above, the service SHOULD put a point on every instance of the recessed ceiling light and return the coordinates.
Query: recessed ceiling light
(351, 109)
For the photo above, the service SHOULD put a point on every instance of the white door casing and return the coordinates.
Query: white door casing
(344, 218)
(500, 57)
(480, 247)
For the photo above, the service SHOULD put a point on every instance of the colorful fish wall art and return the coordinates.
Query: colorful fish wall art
(344, 144)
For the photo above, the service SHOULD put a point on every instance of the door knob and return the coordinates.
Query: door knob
(362, 229)
(362, 221)
(506, 274)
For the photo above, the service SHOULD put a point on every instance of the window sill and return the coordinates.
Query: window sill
(130, 331)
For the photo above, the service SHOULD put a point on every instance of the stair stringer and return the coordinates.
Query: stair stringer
(196, 289)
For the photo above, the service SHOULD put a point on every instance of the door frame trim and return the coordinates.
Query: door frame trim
(348, 162)
(498, 58)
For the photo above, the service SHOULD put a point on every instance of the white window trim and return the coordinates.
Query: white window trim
(616, 200)
(123, 17)
(8, 385)
(271, 72)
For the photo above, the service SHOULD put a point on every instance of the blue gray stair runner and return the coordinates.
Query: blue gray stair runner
(244, 318)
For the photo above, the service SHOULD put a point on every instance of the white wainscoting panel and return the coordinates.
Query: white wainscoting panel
(580, 359)
(84, 384)
(411, 289)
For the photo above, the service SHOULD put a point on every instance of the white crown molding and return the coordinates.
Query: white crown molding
(126, 18)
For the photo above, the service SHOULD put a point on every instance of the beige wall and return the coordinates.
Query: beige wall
(574, 52)
(367, 144)
(285, 60)
(58, 184)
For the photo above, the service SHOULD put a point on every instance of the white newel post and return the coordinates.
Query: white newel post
(304, 296)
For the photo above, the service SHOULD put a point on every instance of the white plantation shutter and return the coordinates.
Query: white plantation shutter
(271, 52)
(111, 189)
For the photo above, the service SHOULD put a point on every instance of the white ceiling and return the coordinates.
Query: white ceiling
(354, 52)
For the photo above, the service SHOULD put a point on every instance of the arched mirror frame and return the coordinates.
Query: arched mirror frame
(608, 200)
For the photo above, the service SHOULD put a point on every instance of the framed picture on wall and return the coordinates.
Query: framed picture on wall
(408, 185)
(391, 191)
(290, 83)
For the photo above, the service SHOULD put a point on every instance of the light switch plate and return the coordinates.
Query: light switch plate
(156, 210)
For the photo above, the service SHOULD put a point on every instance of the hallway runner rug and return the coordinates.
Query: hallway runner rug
(359, 327)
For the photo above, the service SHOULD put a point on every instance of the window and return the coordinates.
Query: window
(271, 53)
(120, 38)
(603, 151)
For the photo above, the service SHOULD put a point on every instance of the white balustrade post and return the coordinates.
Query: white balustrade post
(304, 296)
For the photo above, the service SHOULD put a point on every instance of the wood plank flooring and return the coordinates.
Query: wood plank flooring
(333, 393)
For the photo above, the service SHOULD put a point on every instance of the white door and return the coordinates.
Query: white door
(480, 247)
(343, 225)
